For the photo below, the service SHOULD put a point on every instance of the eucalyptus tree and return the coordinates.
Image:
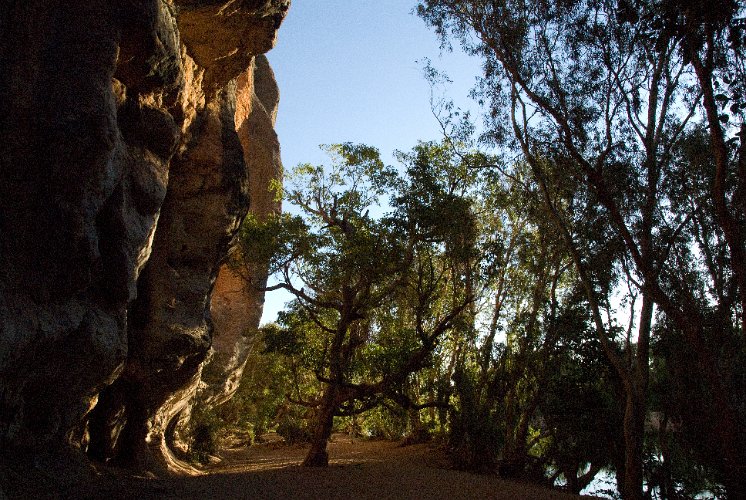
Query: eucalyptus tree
(346, 262)
(512, 337)
(501, 413)
(602, 92)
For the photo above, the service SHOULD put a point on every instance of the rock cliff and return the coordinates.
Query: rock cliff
(134, 135)
(236, 307)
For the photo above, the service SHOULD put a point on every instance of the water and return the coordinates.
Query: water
(602, 486)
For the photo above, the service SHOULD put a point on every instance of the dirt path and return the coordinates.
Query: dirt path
(360, 469)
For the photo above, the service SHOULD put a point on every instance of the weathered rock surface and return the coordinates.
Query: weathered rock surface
(236, 306)
(223, 36)
(126, 165)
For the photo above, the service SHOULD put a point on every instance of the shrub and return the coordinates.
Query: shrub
(294, 430)
(204, 428)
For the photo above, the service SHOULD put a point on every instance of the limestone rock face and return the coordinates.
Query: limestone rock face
(236, 306)
(127, 157)
(223, 36)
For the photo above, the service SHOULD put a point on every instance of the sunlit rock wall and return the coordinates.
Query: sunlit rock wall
(126, 165)
(236, 306)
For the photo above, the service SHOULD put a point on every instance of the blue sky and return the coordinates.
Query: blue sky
(348, 70)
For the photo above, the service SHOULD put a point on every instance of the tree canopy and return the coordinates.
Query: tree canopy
(353, 273)
(609, 95)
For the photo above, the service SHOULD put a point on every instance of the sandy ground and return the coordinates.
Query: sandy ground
(359, 469)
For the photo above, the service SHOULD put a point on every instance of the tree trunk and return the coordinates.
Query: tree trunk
(417, 432)
(635, 410)
(667, 487)
(317, 456)
(634, 422)
(583, 481)
(571, 476)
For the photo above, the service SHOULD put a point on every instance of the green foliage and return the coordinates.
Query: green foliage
(607, 103)
(374, 292)
(275, 239)
(496, 298)
(261, 395)
(509, 286)
(204, 427)
(384, 422)
(294, 429)
(257, 407)
(477, 432)
(683, 456)
(578, 406)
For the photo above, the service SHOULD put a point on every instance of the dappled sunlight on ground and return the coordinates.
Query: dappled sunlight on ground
(273, 454)
(272, 470)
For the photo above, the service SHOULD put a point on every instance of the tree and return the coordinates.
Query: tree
(503, 379)
(502, 376)
(345, 266)
(578, 409)
(602, 92)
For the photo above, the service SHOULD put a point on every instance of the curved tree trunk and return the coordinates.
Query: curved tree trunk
(317, 456)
